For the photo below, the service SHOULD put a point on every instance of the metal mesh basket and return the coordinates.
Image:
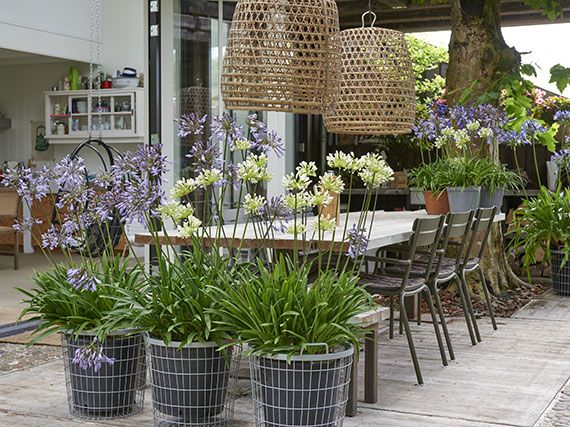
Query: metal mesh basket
(310, 390)
(113, 391)
(195, 385)
(560, 274)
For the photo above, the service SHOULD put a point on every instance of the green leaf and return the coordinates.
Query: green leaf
(561, 76)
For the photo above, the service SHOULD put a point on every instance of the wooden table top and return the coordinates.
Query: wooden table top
(387, 228)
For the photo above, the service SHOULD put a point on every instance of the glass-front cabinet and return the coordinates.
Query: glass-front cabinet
(115, 115)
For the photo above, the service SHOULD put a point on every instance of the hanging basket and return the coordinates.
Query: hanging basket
(282, 55)
(376, 93)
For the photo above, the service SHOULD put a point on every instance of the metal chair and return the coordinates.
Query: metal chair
(481, 226)
(425, 237)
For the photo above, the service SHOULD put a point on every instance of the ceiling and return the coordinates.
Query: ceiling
(406, 16)
(15, 57)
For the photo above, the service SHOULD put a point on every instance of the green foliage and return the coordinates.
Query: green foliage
(544, 223)
(425, 58)
(561, 76)
(275, 310)
(545, 111)
(176, 304)
(550, 8)
(494, 176)
(59, 306)
(429, 177)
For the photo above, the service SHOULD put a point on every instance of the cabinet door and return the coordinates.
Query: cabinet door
(123, 114)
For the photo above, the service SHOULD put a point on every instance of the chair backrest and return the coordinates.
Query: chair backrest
(457, 226)
(426, 235)
(10, 205)
(482, 224)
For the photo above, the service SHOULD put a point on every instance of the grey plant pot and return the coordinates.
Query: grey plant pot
(494, 199)
(464, 199)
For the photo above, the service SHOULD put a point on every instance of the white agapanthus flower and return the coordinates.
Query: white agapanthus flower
(447, 135)
(297, 200)
(176, 211)
(342, 161)
(307, 169)
(296, 182)
(241, 145)
(189, 227)
(296, 229)
(473, 126)
(331, 182)
(486, 133)
(320, 197)
(253, 204)
(210, 177)
(461, 138)
(324, 223)
(183, 188)
(254, 169)
(375, 171)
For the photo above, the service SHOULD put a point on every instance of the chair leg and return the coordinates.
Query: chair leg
(427, 295)
(400, 324)
(470, 306)
(16, 252)
(439, 307)
(404, 321)
(391, 317)
(419, 310)
(465, 310)
(487, 298)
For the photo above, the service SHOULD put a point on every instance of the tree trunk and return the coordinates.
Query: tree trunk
(478, 56)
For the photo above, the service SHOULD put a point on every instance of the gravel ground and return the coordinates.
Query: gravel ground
(15, 357)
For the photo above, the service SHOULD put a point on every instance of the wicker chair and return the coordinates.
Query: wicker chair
(11, 210)
(425, 239)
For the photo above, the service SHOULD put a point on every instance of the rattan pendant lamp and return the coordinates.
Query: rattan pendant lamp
(376, 94)
(281, 55)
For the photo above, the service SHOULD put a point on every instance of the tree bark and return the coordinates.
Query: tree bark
(478, 57)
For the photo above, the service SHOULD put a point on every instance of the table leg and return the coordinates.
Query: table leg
(371, 365)
(352, 404)
(411, 306)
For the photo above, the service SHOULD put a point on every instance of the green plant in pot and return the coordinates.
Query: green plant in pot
(431, 178)
(300, 336)
(495, 179)
(544, 225)
(105, 366)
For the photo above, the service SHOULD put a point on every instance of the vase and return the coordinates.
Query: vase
(436, 204)
(494, 199)
(464, 199)
(113, 391)
(303, 390)
(194, 384)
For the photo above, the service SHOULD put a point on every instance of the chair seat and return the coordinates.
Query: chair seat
(380, 284)
(472, 263)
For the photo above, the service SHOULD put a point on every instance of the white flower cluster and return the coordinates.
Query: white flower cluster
(374, 171)
(252, 204)
(324, 223)
(331, 183)
(183, 188)
(254, 169)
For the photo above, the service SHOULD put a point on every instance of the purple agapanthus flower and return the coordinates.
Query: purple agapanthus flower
(276, 213)
(512, 138)
(191, 125)
(531, 128)
(53, 239)
(29, 185)
(358, 241)
(562, 116)
(233, 176)
(91, 357)
(225, 128)
(264, 142)
(206, 155)
(81, 280)
(27, 224)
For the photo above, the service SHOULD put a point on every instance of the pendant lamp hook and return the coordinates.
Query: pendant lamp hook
(369, 12)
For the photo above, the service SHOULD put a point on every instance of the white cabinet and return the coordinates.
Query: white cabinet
(117, 115)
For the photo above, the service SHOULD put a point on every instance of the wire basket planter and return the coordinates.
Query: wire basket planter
(560, 274)
(308, 390)
(195, 385)
(282, 56)
(113, 391)
(376, 94)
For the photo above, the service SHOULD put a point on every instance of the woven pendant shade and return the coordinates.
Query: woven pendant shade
(376, 93)
(282, 55)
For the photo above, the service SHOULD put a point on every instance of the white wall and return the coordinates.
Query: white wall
(57, 28)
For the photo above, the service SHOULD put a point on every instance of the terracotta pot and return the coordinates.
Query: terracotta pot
(332, 210)
(436, 204)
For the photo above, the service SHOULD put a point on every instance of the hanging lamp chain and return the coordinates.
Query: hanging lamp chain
(95, 24)
(369, 12)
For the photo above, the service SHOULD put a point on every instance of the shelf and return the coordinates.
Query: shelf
(112, 113)
(59, 116)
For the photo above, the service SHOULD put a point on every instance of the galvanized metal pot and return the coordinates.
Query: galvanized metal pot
(464, 199)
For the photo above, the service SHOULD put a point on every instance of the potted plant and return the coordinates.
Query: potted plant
(495, 179)
(300, 338)
(431, 179)
(544, 224)
(105, 372)
(104, 362)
